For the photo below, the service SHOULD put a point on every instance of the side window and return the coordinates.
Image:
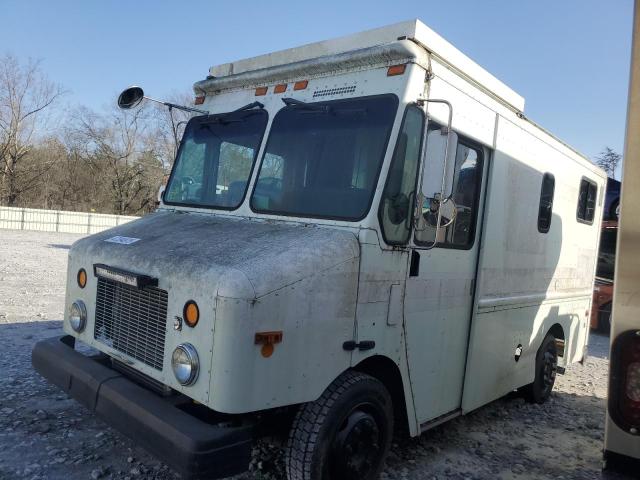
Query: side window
(587, 201)
(546, 202)
(458, 218)
(396, 205)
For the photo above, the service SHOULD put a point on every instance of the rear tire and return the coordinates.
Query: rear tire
(540, 389)
(345, 434)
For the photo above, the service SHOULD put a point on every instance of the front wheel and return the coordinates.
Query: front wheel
(546, 369)
(345, 434)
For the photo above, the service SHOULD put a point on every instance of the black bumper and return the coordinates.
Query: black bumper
(192, 447)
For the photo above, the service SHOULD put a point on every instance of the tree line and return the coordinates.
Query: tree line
(53, 157)
(112, 161)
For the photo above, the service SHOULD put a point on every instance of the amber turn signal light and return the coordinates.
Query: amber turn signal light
(396, 70)
(268, 341)
(199, 100)
(82, 278)
(191, 313)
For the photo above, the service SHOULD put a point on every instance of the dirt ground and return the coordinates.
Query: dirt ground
(46, 435)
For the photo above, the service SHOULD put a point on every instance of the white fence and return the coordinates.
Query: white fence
(58, 220)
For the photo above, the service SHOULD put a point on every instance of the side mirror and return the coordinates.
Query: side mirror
(439, 163)
(131, 97)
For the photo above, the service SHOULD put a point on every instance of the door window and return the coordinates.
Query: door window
(459, 214)
(396, 205)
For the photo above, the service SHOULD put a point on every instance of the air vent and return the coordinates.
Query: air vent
(327, 92)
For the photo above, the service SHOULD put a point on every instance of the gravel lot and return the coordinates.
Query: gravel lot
(46, 435)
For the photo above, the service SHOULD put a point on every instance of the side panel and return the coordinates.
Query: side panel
(379, 314)
(528, 281)
(316, 317)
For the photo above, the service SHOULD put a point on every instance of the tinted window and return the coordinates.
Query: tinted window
(458, 217)
(323, 159)
(215, 159)
(397, 200)
(546, 203)
(587, 201)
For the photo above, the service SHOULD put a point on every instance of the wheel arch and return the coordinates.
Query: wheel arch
(388, 373)
(558, 332)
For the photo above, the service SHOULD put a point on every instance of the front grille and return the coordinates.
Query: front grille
(132, 320)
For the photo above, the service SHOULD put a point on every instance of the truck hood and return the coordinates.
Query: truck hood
(231, 257)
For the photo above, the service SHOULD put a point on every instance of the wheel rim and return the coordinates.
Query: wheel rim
(356, 447)
(549, 369)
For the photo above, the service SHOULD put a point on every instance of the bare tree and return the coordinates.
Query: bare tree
(609, 160)
(128, 169)
(26, 95)
(167, 131)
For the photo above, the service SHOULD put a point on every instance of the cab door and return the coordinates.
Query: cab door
(439, 292)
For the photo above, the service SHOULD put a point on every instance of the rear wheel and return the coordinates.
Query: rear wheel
(546, 369)
(345, 434)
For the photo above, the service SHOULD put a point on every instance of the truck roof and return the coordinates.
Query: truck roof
(413, 30)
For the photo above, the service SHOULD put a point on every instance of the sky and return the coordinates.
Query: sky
(568, 58)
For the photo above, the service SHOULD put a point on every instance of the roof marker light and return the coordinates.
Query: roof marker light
(260, 91)
(301, 85)
(281, 88)
(396, 70)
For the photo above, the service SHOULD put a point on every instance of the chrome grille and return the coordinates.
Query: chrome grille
(131, 320)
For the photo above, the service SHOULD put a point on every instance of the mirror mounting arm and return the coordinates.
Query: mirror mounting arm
(445, 130)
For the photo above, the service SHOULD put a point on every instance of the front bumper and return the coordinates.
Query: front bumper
(192, 447)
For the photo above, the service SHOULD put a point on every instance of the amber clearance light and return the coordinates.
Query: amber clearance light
(191, 313)
(394, 70)
(82, 278)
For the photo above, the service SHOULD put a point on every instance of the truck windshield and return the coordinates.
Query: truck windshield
(324, 162)
(215, 160)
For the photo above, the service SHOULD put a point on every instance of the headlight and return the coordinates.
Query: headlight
(78, 316)
(184, 362)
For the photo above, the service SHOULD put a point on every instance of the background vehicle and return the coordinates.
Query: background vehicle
(603, 289)
(612, 200)
(356, 234)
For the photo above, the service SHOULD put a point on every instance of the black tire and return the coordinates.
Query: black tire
(604, 319)
(546, 369)
(345, 434)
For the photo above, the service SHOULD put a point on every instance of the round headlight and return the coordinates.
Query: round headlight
(78, 316)
(184, 362)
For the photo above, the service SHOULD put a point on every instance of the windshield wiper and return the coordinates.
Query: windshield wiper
(219, 118)
(249, 106)
(292, 102)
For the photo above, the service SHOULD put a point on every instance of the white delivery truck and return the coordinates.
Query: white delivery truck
(357, 234)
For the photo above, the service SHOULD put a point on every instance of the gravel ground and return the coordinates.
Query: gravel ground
(46, 435)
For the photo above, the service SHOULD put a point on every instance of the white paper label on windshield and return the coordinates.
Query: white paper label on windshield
(122, 240)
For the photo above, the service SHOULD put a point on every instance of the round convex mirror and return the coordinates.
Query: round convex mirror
(130, 97)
